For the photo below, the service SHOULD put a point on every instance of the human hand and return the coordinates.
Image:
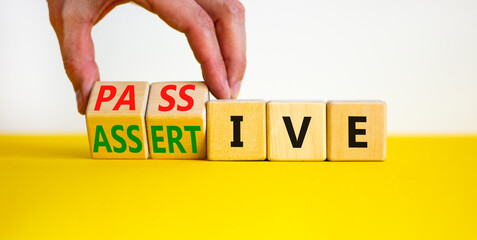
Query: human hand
(215, 30)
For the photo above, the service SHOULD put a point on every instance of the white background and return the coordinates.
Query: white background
(420, 56)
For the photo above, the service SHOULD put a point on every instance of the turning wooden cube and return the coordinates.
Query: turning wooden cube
(176, 120)
(236, 130)
(356, 131)
(115, 120)
(296, 131)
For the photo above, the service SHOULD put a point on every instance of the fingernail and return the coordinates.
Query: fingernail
(235, 90)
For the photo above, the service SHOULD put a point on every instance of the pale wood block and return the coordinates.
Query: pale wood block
(296, 131)
(356, 131)
(115, 118)
(176, 120)
(236, 130)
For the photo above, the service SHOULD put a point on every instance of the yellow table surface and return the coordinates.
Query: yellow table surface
(51, 189)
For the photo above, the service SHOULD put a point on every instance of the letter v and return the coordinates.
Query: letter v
(296, 142)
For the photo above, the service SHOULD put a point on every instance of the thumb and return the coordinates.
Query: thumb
(78, 58)
(77, 50)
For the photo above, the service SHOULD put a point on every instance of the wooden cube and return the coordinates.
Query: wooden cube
(115, 118)
(296, 131)
(356, 131)
(236, 130)
(176, 120)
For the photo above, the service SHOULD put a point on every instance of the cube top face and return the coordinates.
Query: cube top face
(296, 131)
(176, 120)
(172, 98)
(352, 103)
(236, 130)
(118, 98)
(356, 131)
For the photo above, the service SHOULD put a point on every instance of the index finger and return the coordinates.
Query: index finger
(229, 18)
(188, 17)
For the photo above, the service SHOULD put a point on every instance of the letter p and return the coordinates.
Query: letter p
(101, 98)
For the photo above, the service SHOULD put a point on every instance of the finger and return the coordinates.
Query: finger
(73, 30)
(229, 18)
(188, 17)
(78, 58)
(73, 22)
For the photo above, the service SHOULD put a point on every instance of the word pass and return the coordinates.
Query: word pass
(176, 120)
